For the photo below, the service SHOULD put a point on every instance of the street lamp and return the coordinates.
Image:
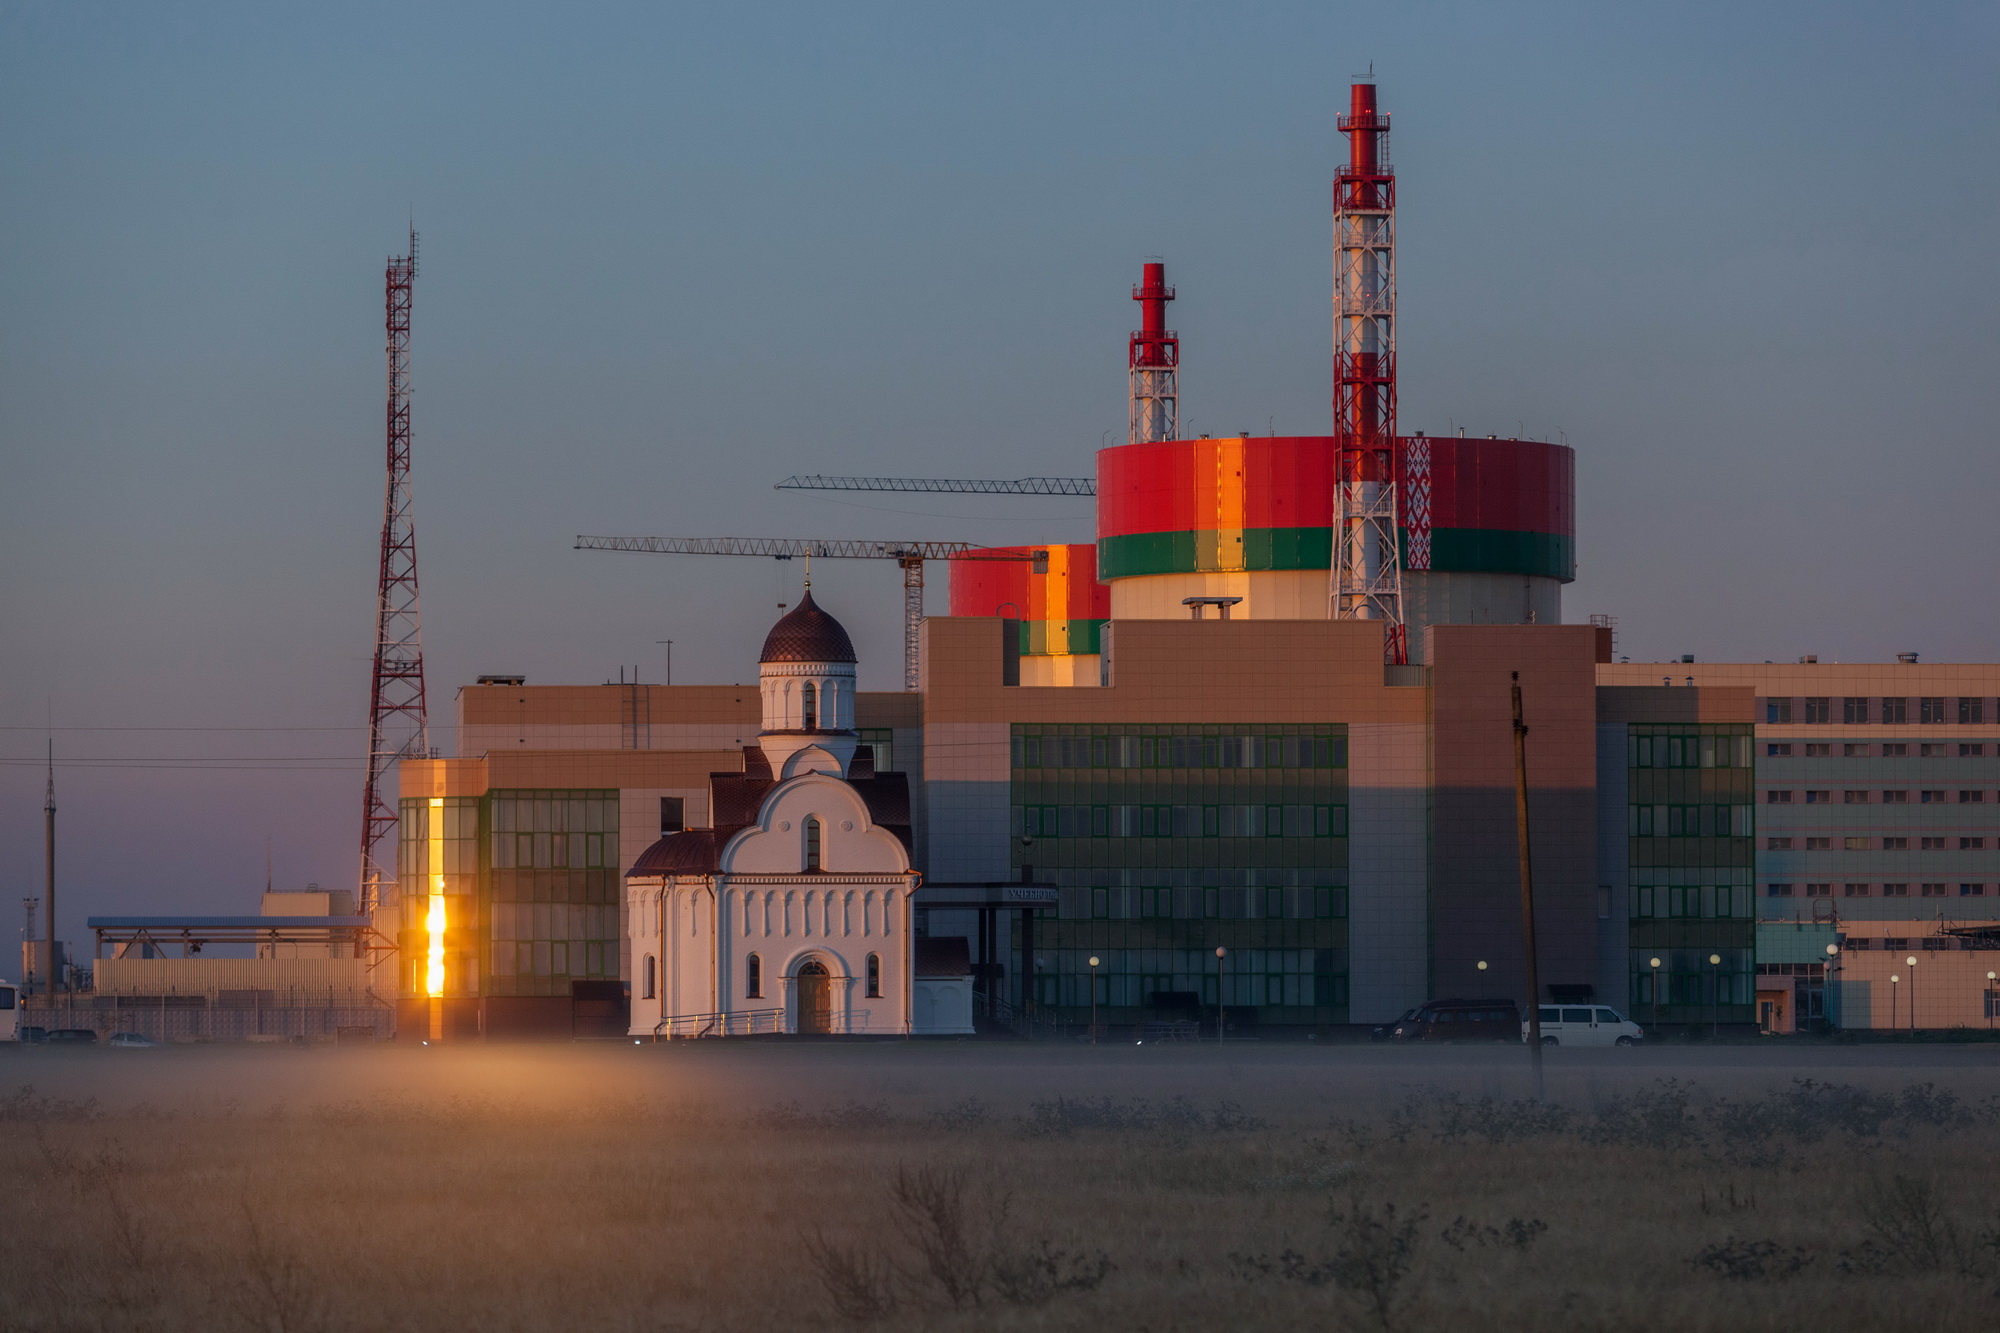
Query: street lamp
(1826, 993)
(1893, 979)
(1656, 992)
(1991, 977)
(1715, 997)
(1093, 999)
(1911, 963)
(1221, 994)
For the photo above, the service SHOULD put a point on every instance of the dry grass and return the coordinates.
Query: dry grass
(990, 1189)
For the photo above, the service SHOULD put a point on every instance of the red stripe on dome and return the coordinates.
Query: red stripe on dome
(1012, 588)
(1287, 482)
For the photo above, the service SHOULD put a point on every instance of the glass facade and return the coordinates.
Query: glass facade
(1691, 839)
(438, 846)
(1167, 842)
(552, 867)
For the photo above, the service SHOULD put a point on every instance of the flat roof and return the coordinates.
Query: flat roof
(226, 923)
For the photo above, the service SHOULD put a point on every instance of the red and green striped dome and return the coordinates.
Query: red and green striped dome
(1266, 503)
(1061, 611)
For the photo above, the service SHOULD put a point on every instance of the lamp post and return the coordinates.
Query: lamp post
(1221, 994)
(1656, 994)
(1911, 963)
(1991, 977)
(1715, 996)
(1826, 992)
(1093, 999)
(1893, 979)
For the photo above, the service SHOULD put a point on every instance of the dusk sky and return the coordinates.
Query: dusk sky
(1742, 258)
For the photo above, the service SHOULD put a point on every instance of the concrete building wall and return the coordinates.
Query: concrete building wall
(1475, 896)
(1614, 907)
(1388, 868)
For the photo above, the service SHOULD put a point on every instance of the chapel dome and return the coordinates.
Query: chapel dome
(807, 634)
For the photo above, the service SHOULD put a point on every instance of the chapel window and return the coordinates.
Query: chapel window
(809, 702)
(755, 974)
(812, 842)
(651, 974)
(874, 976)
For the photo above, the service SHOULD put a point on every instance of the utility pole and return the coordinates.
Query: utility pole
(49, 862)
(670, 657)
(1527, 886)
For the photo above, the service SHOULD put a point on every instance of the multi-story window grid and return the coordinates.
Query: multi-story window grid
(1691, 831)
(552, 899)
(1167, 841)
(439, 840)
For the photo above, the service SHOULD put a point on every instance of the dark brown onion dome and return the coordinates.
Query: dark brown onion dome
(695, 851)
(807, 634)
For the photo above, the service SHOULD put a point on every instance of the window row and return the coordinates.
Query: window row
(555, 811)
(1867, 750)
(552, 921)
(1928, 943)
(1694, 751)
(554, 851)
(1180, 752)
(1694, 901)
(556, 958)
(1182, 821)
(1271, 902)
(1707, 986)
(1856, 710)
(1236, 990)
(1692, 821)
(1863, 796)
(1862, 843)
(1932, 889)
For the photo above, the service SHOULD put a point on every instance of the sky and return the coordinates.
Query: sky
(1740, 257)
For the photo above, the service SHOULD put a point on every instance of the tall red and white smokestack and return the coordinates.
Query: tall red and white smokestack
(1367, 568)
(1154, 410)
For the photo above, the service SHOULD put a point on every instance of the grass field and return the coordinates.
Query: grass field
(971, 1185)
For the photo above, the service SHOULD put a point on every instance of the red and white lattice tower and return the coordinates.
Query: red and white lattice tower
(1367, 567)
(397, 725)
(1155, 404)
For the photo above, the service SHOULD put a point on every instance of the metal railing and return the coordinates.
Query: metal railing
(739, 1023)
(192, 1018)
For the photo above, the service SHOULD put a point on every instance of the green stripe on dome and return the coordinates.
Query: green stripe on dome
(1044, 638)
(1141, 553)
(1488, 551)
(1453, 551)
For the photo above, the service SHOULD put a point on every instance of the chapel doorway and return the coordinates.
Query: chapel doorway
(815, 999)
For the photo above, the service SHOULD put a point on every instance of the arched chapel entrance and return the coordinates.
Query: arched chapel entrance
(815, 998)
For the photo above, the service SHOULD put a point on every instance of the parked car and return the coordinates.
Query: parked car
(1585, 1025)
(71, 1036)
(33, 1032)
(1459, 1020)
(1383, 1031)
(131, 1039)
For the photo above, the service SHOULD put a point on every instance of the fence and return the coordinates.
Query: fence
(740, 1024)
(184, 1018)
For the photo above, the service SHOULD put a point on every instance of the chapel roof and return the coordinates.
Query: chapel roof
(807, 634)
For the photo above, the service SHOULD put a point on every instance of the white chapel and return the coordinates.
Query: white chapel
(791, 912)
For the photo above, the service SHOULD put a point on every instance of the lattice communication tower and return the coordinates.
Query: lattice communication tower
(398, 727)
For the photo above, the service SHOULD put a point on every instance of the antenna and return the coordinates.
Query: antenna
(398, 727)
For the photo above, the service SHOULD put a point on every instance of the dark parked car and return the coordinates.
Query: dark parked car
(71, 1036)
(1458, 1020)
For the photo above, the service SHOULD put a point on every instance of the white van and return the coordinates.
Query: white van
(10, 1012)
(1585, 1025)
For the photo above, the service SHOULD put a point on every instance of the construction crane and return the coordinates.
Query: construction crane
(910, 555)
(938, 486)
